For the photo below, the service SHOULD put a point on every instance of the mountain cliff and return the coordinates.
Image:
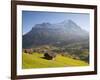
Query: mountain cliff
(59, 34)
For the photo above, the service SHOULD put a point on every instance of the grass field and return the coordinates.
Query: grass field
(35, 60)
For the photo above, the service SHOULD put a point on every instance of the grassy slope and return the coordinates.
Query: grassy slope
(35, 61)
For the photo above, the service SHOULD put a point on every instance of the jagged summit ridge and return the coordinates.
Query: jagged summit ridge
(65, 32)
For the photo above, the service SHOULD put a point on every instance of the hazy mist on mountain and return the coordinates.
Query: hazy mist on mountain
(59, 34)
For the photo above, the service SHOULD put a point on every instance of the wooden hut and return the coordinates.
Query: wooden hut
(29, 51)
(50, 55)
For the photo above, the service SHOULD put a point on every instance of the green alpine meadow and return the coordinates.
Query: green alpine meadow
(36, 61)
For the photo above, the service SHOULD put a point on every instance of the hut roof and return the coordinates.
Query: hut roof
(52, 54)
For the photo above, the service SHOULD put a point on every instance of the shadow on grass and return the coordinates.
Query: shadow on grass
(47, 58)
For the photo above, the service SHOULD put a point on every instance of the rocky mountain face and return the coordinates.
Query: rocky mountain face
(59, 34)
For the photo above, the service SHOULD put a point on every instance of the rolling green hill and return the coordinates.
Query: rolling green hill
(36, 60)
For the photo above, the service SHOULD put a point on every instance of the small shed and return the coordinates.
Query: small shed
(50, 55)
(29, 51)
